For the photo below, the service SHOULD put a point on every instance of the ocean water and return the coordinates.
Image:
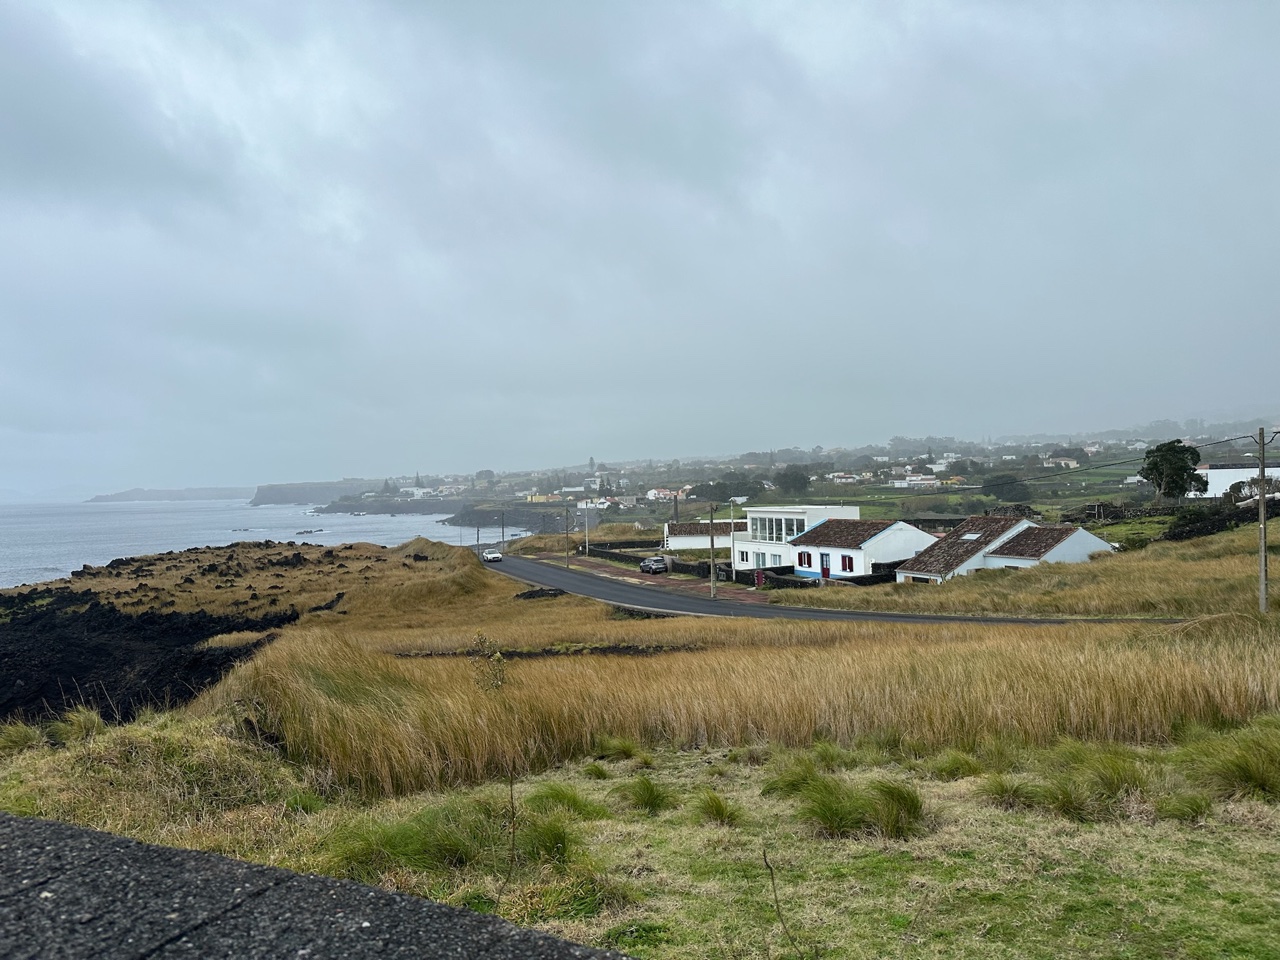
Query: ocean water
(41, 542)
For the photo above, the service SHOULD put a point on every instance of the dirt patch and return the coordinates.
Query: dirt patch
(540, 593)
(60, 647)
(577, 650)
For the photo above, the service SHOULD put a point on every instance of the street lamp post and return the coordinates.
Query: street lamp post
(711, 532)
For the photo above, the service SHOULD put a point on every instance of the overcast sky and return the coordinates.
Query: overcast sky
(248, 242)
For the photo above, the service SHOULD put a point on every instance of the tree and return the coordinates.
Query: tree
(1006, 487)
(387, 489)
(591, 464)
(484, 476)
(1171, 468)
(793, 479)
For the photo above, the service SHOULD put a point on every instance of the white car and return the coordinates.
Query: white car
(491, 556)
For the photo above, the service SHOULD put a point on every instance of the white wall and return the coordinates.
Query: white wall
(1221, 480)
(1077, 548)
(899, 542)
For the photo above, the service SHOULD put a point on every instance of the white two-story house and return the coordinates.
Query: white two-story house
(770, 530)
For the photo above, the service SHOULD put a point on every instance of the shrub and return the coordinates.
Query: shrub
(711, 807)
(643, 794)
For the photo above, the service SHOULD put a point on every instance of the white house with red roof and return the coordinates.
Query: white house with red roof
(993, 543)
(837, 548)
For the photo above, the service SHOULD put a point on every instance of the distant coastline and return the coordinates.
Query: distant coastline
(139, 495)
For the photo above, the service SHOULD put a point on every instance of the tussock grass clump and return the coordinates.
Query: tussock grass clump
(646, 795)
(616, 748)
(753, 755)
(795, 773)
(16, 736)
(1007, 792)
(710, 807)
(546, 839)
(596, 771)
(1186, 807)
(451, 835)
(883, 807)
(1242, 764)
(566, 797)
(831, 756)
(78, 723)
(953, 765)
(148, 779)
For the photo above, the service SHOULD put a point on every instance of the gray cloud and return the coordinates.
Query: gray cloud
(248, 244)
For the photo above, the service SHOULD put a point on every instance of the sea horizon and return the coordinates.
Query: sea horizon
(47, 541)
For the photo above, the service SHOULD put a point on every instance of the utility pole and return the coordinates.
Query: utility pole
(586, 531)
(503, 515)
(566, 538)
(1262, 521)
(711, 531)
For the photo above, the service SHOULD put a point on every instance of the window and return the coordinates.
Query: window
(759, 559)
(970, 536)
(742, 556)
(846, 563)
(804, 558)
(775, 560)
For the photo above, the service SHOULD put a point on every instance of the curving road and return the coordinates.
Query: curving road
(657, 599)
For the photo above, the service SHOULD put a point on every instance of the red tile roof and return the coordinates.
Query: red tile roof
(850, 534)
(952, 550)
(1034, 542)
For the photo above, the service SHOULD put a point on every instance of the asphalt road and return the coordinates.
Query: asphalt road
(67, 893)
(656, 599)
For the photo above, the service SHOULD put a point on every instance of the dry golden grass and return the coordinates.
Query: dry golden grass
(390, 725)
(1217, 574)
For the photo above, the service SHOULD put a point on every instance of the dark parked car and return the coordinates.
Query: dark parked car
(654, 565)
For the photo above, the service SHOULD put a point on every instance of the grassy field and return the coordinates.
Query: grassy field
(1190, 578)
(942, 790)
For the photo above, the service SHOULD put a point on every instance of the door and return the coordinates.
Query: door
(824, 561)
